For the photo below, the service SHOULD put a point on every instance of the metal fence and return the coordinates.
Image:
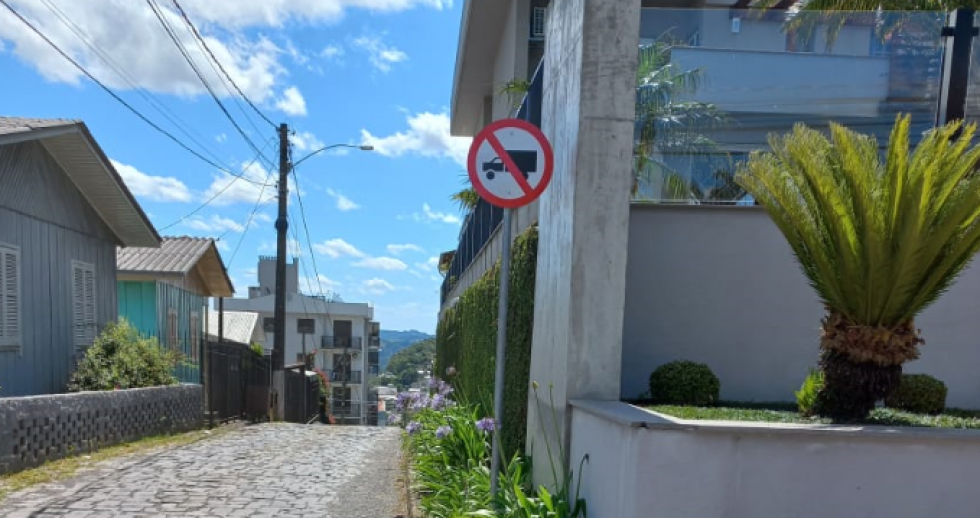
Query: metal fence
(237, 382)
(480, 224)
(302, 397)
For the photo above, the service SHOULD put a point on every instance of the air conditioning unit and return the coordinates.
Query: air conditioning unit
(537, 23)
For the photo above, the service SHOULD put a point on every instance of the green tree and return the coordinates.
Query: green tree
(406, 364)
(878, 238)
(121, 358)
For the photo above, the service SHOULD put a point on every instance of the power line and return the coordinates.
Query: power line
(159, 106)
(248, 224)
(115, 96)
(183, 51)
(306, 228)
(190, 24)
(225, 188)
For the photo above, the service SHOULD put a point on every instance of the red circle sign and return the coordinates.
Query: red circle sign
(510, 163)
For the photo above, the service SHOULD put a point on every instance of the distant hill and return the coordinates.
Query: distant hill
(394, 341)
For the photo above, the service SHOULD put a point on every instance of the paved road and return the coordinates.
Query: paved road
(262, 470)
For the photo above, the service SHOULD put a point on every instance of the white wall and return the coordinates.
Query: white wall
(719, 285)
(647, 466)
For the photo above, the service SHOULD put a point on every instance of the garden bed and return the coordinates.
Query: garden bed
(784, 413)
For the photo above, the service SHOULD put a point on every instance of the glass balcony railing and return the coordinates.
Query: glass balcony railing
(714, 84)
(341, 376)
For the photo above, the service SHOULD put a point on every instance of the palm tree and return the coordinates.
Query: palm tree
(668, 127)
(878, 238)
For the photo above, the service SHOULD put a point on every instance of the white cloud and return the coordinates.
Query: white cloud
(223, 246)
(305, 141)
(399, 249)
(316, 285)
(428, 265)
(337, 247)
(292, 102)
(246, 189)
(427, 135)
(131, 36)
(156, 188)
(293, 247)
(380, 54)
(262, 217)
(378, 286)
(381, 263)
(343, 202)
(215, 223)
(332, 52)
(221, 138)
(430, 215)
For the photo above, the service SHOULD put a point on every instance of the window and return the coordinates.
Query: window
(306, 326)
(537, 22)
(195, 336)
(172, 328)
(269, 324)
(10, 326)
(83, 301)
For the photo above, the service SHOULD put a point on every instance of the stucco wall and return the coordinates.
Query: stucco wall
(719, 285)
(644, 465)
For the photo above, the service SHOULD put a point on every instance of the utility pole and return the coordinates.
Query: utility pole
(279, 343)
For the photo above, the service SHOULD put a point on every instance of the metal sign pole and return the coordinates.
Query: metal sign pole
(498, 386)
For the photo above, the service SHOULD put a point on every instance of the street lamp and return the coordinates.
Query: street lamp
(362, 147)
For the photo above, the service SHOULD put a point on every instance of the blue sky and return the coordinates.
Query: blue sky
(373, 72)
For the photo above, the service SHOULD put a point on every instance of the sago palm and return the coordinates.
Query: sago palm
(878, 238)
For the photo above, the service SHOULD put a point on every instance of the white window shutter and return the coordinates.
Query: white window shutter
(10, 299)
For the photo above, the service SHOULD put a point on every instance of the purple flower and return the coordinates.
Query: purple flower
(438, 402)
(413, 427)
(401, 401)
(419, 401)
(434, 382)
(445, 388)
(443, 431)
(486, 424)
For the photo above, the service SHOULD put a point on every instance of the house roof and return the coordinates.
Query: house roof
(240, 326)
(179, 256)
(479, 37)
(71, 145)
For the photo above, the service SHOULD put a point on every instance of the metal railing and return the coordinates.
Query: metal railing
(341, 342)
(302, 397)
(374, 341)
(341, 376)
(480, 224)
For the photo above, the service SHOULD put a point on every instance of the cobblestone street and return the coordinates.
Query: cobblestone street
(262, 470)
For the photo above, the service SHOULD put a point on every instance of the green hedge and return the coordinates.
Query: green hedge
(467, 339)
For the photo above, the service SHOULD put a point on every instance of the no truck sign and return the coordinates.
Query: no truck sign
(510, 163)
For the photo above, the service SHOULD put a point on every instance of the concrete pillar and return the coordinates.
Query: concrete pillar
(591, 55)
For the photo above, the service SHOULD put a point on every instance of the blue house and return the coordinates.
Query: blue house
(163, 292)
(64, 210)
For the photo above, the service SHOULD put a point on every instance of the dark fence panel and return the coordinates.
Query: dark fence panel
(238, 382)
(302, 397)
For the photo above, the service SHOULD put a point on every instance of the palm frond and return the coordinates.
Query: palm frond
(879, 239)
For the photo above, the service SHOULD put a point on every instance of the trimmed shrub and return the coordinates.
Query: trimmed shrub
(466, 341)
(806, 397)
(920, 394)
(684, 383)
(122, 359)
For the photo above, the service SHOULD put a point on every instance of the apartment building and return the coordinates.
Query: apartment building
(343, 338)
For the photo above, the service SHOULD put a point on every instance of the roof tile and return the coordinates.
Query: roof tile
(175, 255)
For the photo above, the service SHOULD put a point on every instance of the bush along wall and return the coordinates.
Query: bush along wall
(466, 339)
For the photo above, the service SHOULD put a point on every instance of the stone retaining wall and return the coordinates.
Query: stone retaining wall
(37, 429)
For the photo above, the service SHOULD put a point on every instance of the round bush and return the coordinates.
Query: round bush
(918, 393)
(684, 383)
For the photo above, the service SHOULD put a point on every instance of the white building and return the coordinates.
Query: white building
(343, 336)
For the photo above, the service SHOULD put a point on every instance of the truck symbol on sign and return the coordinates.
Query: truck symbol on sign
(526, 161)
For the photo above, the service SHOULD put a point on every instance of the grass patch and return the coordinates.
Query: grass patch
(65, 468)
(951, 418)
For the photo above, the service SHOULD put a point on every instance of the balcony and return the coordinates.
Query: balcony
(341, 376)
(345, 409)
(374, 342)
(341, 342)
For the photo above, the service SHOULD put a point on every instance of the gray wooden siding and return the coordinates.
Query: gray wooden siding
(42, 213)
(35, 185)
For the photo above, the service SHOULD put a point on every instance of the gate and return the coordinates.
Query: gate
(302, 404)
(237, 382)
